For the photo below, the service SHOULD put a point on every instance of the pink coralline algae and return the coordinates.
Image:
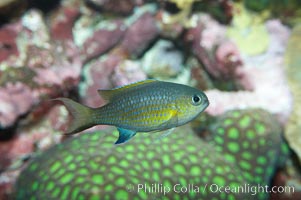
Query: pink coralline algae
(207, 39)
(42, 67)
(64, 64)
(98, 43)
(127, 72)
(273, 95)
(123, 7)
(136, 38)
(106, 71)
(62, 22)
(8, 46)
(228, 60)
(15, 100)
(18, 146)
(97, 75)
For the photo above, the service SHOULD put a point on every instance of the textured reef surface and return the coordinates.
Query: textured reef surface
(245, 55)
(293, 61)
(90, 167)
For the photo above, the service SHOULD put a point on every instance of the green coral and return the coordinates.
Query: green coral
(250, 140)
(244, 149)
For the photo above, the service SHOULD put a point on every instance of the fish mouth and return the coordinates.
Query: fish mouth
(204, 105)
(206, 102)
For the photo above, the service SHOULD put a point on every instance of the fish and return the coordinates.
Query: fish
(145, 106)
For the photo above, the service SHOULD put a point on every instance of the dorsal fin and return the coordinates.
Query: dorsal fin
(109, 94)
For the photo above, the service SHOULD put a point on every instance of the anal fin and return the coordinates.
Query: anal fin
(124, 135)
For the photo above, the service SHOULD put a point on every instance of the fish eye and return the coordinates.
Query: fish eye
(196, 99)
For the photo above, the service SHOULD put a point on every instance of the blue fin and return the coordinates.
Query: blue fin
(124, 135)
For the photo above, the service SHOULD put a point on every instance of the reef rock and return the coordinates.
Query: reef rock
(12, 104)
(137, 39)
(163, 60)
(259, 76)
(248, 31)
(8, 35)
(126, 72)
(97, 75)
(219, 56)
(62, 22)
(103, 39)
(293, 62)
(123, 7)
(38, 67)
(12, 8)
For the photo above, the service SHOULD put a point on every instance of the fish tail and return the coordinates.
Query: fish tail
(82, 115)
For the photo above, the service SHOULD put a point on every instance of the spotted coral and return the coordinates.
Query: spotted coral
(81, 168)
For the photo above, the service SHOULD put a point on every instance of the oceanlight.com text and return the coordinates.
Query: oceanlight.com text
(250, 189)
(159, 188)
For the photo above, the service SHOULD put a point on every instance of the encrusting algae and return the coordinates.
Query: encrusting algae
(144, 106)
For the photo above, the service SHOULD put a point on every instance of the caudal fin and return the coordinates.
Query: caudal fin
(82, 115)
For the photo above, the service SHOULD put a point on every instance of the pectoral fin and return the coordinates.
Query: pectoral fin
(124, 135)
(171, 122)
